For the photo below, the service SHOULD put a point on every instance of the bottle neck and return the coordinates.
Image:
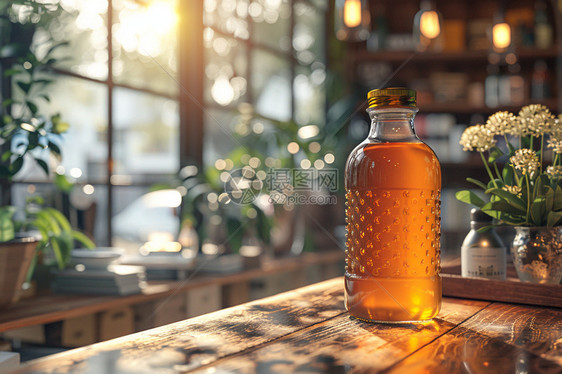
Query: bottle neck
(393, 125)
(475, 225)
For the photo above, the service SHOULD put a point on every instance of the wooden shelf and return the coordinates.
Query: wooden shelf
(52, 308)
(454, 57)
(464, 108)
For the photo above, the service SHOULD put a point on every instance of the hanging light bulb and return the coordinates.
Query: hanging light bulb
(353, 20)
(501, 36)
(427, 24)
(352, 13)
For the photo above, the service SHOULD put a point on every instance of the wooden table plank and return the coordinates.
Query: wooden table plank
(345, 344)
(308, 330)
(201, 340)
(500, 339)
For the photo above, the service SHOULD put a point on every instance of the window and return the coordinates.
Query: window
(119, 92)
(129, 102)
(268, 53)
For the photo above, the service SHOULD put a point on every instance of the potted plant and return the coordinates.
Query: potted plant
(525, 188)
(26, 135)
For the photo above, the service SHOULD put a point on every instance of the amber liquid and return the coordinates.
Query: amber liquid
(393, 232)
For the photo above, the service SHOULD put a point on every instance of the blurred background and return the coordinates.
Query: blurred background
(173, 96)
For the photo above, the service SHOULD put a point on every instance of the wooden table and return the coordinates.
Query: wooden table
(308, 330)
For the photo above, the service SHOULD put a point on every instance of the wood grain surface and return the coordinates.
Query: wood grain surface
(309, 331)
(198, 341)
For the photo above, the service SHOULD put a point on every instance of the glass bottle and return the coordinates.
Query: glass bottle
(393, 187)
(483, 254)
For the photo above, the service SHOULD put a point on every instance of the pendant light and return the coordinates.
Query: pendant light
(353, 20)
(427, 24)
(501, 31)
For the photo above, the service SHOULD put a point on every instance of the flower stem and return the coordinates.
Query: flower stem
(506, 143)
(488, 169)
(497, 171)
(528, 198)
(542, 141)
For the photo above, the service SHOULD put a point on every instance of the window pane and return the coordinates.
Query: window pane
(83, 105)
(144, 44)
(139, 214)
(219, 137)
(308, 41)
(271, 23)
(225, 69)
(145, 136)
(271, 85)
(227, 16)
(308, 90)
(85, 27)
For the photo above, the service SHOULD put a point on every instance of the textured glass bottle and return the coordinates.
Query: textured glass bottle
(393, 186)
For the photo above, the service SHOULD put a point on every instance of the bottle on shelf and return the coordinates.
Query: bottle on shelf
(543, 28)
(483, 254)
(491, 86)
(540, 86)
(393, 189)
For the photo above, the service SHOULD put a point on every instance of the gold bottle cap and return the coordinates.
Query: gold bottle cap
(392, 97)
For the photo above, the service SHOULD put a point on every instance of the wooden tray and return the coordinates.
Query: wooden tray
(511, 290)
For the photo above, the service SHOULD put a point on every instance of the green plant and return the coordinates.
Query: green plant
(523, 190)
(27, 133)
(55, 233)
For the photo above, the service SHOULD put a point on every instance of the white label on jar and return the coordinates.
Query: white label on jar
(483, 262)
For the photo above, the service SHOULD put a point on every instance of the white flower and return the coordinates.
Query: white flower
(525, 160)
(554, 171)
(555, 141)
(535, 119)
(477, 137)
(502, 123)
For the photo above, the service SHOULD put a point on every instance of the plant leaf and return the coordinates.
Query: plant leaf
(32, 107)
(557, 204)
(554, 219)
(470, 197)
(538, 211)
(43, 165)
(549, 199)
(503, 206)
(508, 175)
(6, 156)
(63, 183)
(477, 182)
(54, 148)
(7, 229)
(511, 148)
(512, 200)
(16, 165)
(58, 252)
(25, 87)
(60, 219)
(495, 153)
(83, 239)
